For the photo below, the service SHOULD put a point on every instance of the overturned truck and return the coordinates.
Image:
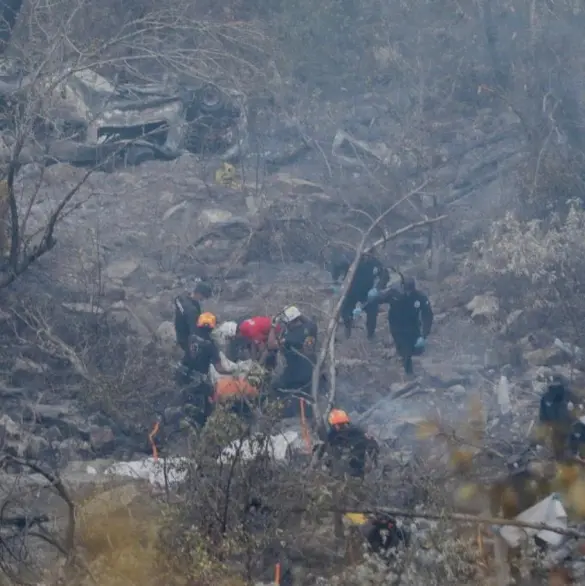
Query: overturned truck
(88, 121)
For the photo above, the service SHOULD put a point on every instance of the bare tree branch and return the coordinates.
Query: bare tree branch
(332, 325)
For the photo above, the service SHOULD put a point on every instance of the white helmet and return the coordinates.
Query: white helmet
(290, 314)
(228, 329)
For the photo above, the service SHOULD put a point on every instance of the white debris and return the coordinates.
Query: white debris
(549, 511)
(152, 470)
(573, 351)
(278, 447)
(503, 395)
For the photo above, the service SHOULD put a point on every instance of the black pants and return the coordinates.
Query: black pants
(404, 342)
(371, 310)
(196, 399)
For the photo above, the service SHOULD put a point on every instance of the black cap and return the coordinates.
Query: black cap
(203, 288)
(409, 284)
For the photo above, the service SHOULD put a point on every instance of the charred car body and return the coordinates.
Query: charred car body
(88, 121)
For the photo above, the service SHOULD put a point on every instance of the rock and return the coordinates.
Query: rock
(73, 449)
(237, 291)
(53, 434)
(457, 390)
(297, 186)
(483, 306)
(212, 216)
(101, 439)
(120, 270)
(83, 308)
(550, 356)
(443, 375)
(60, 416)
(36, 447)
(115, 294)
(165, 334)
(9, 429)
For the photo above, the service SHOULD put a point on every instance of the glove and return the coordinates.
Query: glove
(357, 312)
(420, 343)
(372, 294)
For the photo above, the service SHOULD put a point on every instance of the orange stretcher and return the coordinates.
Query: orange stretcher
(230, 387)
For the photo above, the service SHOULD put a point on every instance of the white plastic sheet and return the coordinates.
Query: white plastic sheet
(549, 511)
(152, 470)
(276, 446)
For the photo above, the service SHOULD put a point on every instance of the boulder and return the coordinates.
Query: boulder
(120, 270)
(165, 334)
(483, 307)
(213, 216)
(550, 356)
(101, 439)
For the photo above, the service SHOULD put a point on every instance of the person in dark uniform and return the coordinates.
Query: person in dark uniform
(370, 277)
(558, 414)
(202, 353)
(299, 348)
(348, 444)
(298, 344)
(187, 311)
(410, 318)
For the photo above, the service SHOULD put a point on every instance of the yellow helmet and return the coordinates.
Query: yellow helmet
(207, 320)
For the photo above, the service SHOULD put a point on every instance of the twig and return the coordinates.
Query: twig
(474, 519)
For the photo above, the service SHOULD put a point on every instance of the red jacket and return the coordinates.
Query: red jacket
(257, 328)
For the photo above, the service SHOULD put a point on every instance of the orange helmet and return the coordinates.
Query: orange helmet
(338, 417)
(207, 320)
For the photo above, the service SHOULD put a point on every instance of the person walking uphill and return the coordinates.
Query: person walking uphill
(370, 277)
(410, 318)
(187, 311)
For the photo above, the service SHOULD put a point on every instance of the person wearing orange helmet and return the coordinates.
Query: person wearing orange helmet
(348, 444)
(187, 311)
(202, 352)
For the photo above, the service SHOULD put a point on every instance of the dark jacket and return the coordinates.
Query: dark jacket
(554, 405)
(409, 314)
(202, 351)
(187, 312)
(370, 273)
(351, 445)
(300, 347)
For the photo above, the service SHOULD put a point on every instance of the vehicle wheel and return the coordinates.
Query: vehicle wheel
(210, 99)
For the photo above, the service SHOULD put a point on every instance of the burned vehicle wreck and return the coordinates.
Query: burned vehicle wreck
(93, 123)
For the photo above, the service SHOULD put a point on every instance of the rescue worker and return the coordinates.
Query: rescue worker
(298, 341)
(577, 440)
(202, 353)
(348, 445)
(410, 318)
(383, 534)
(557, 414)
(370, 277)
(254, 333)
(188, 310)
